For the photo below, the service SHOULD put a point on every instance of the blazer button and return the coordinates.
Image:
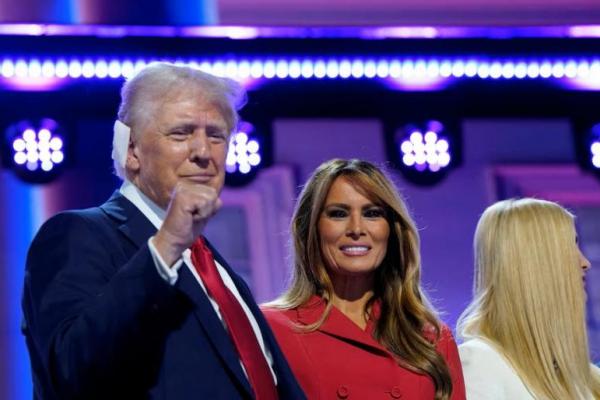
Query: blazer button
(343, 392)
(396, 393)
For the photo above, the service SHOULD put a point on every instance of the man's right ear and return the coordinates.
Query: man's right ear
(132, 163)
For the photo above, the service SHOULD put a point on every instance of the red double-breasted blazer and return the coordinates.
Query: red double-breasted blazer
(341, 361)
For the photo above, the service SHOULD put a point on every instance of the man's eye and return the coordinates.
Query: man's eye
(178, 135)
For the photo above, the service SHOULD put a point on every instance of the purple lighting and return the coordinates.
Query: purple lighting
(244, 151)
(426, 149)
(38, 149)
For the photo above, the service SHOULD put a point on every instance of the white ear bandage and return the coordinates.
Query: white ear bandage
(121, 137)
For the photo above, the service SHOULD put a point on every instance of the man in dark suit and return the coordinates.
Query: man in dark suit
(127, 300)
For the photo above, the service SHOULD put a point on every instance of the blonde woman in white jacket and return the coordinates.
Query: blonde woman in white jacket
(525, 330)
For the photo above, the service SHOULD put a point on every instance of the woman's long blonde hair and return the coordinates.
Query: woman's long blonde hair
(405, 311)
(529, 299)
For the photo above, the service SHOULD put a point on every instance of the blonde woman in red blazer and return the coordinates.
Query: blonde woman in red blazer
(354, 324)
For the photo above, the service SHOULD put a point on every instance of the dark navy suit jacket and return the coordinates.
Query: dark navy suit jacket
(101, 323)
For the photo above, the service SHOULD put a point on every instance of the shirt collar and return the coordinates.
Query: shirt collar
(150, 209)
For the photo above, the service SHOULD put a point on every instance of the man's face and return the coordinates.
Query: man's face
(185, 140)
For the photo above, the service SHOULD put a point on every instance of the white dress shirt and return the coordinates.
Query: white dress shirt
(156, 215)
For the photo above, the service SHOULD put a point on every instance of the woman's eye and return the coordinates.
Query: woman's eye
(336, 213)
(374, 213)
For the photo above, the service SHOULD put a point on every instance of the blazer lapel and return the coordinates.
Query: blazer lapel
(340, 326)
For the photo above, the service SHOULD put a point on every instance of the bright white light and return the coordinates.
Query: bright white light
(19, 145)
(416, 137)
(74, 69)
(508, 70)
(307, 69)
(35, 69)
(370, 69)
(357, 69)
(596, 161)
(345, 69)
(240, 148)
(47, 165)
(431, 158)
(442, 145)
(332, 69)
(521, 70)
(32, 157)
(458, 69)
(408, 159)
(295, 69)
(29, 135)
(114, 69)
(546, 70)
(62, 69)
(533, 70)
(44, 135)
(44, 155)
(443, 159)
(241, 137)
(420, 158)
(483, 70)
(87, 69)
(431, 137)
(253, 146)
(57, 157)
(244, 168)
(595, 148)
(281, 70)
(383, 69)
(269, 69)
(20, 158)
(471, 69)
(256, 70)
(127, 69)
(558, 70)
(254, 159)
(395, 69)
(8, 68)
(320, 69)
(21, 69)
(56, 143)
(406, 147)
(446, 69)
(31, 146)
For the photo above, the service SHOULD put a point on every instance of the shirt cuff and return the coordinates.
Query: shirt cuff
(169, 274)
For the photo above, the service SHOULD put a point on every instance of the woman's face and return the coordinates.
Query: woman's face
(353, 231)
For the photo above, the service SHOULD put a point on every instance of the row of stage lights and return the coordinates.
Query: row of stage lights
(319, 68)
(423, 152)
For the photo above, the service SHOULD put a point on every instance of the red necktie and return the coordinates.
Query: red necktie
(237, 323)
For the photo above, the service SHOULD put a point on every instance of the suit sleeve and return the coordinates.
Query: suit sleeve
(94, 323)
(447, 347)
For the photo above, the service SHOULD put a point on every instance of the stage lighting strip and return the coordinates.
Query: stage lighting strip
(316, 68)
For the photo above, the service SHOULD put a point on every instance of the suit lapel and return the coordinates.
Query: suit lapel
(131, 222)
(211, 324)
(137, 228)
